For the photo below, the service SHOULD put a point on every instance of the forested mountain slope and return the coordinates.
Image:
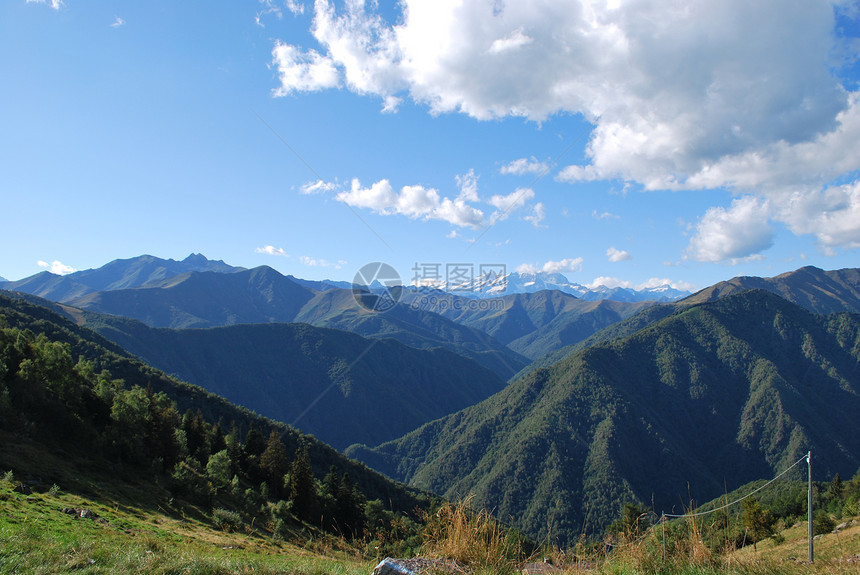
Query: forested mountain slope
(709, 398)
(338, 386)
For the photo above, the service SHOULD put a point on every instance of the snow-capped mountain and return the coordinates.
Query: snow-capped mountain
(516, 282)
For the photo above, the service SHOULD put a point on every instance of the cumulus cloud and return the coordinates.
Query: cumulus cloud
(56, 267)
(303, 71)
(552, 267)
(609, 282)
(691, 96)
(416, 202)
(506, 204)
(616, 255)
(524, 166)
(736, 233)
(117, 22)
(272, 251)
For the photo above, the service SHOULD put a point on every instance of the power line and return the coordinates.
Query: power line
(795, 464)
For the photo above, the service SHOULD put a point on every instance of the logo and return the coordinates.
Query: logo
(377, 287)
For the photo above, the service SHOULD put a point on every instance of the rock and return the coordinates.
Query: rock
(539, 568)
(87, 514)
(70, 511)
(417, 566)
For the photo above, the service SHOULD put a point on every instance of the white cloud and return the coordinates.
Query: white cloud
(736, 233)
(412, 201)
(603, 215)
(303, 71)
(609, 282)
(55, 4)
(683, 96)
(117, 22)
(272, 251)
(57, 267)
(552, 267)
(832, 215)
(660, 282)
(517, 39)
(297, 8)
(616, 255)
(321, 263)
(538, 215)
(505, 205)
(452, 235)
(612, 283)
(318, 187)
(468, 184)
(524, 166)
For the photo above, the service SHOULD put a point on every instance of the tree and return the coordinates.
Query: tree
(273, 463)
(302, 487)
(757, 521)
(219, 469)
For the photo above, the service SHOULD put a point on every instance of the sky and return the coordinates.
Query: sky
(621, 143)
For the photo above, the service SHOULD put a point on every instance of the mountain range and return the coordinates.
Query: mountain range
(489, 285)
(338, 386)
(111, 361)
(203, 299)
(708, 398)
(657, 402)
(148, 270)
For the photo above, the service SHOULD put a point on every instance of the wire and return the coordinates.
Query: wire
(740, 499)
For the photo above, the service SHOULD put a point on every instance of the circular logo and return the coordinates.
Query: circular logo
(377, 287)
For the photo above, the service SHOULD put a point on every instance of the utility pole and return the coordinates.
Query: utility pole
(809, 503)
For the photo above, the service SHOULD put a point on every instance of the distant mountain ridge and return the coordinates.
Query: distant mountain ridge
(338, 386)
(490, 286)
(119, 274)
(531, 324)
(812, 288)
(714, 395)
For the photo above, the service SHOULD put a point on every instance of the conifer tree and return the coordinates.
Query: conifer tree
(302, 487)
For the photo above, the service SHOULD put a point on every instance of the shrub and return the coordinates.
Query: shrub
(226, 520)
(822, 523)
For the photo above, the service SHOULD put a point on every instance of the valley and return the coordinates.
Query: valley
(550, 410)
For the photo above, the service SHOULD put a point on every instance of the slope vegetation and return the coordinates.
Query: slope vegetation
(338, 386)
(713, 396)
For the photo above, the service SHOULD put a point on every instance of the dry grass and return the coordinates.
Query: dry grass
(473, 539)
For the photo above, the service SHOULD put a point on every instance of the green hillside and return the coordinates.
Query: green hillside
(710, 397)
(340, 387)
(817, 290)
(65, 388)
(414, 327)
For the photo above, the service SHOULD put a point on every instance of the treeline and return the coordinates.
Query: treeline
(246, 472)
(764, 515)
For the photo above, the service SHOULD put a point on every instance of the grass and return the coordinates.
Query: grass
(138, 528)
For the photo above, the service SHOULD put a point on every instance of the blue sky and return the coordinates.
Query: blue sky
(624, 143)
